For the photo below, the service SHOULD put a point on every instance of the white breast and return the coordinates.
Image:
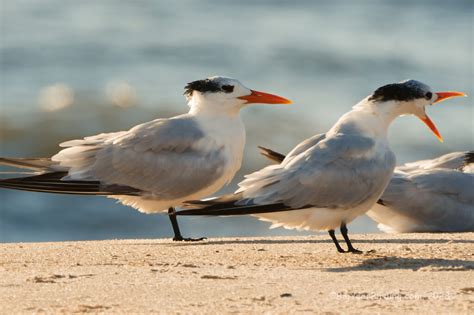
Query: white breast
(227, 133)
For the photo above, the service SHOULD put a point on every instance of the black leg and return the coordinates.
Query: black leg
(174, 223)
(334, 239)
(350, 248)
(177, 232)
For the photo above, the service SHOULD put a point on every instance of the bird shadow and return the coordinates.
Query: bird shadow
(321, 241)
(309, 240)
(207, 242)
(258, 242)
(414, 241)
(415, 264)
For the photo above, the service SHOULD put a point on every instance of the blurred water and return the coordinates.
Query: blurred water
(325, 55)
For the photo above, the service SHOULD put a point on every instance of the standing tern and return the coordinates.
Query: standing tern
(429, 196)
(157, 165)
(332, 178)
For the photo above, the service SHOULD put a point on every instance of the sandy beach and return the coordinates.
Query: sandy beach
(407, 273)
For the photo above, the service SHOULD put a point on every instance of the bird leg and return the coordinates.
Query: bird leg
(334, 239)
(177, 232)
(350, 248)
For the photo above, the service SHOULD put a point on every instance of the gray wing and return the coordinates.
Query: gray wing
(336, 172)
(305, 145)
(169, 157)
(433, 200)
(454, 160)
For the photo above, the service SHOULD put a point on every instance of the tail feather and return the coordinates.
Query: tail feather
(469, 158)
(272, 155)
(221, 202)
(236, 210)
(37, 164)
(53, 183)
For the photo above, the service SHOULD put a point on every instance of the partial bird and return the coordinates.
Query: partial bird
(330, 179)
(424, 196)
(157, 165)
(429, 196)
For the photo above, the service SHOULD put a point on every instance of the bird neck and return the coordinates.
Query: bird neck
(202, 106)
(368, 118)
(216, 119)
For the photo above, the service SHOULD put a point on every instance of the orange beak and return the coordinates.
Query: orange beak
(264, 98)
(445, 95)
(441, 97)
(432, 126)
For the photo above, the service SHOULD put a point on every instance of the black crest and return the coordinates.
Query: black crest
(206, 85)
(405, 91)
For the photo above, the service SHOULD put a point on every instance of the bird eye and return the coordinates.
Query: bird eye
(428, 95)
(228, 88)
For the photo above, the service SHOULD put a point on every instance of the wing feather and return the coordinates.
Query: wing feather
(427, 201)
(167, 157)
(338, 171)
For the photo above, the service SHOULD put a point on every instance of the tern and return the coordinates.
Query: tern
(330, 179)
(425, 196)
(157, 165)
(429, 196)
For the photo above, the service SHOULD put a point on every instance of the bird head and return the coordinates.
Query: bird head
(226, 94)
(410, 97)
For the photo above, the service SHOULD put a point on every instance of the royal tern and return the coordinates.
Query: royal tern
(330, 179)
(429, 196)
(157, 165)
(425, 196)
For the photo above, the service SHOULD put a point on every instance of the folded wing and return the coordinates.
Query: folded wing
(168, 158)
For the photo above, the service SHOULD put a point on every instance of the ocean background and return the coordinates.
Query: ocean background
(70, 69)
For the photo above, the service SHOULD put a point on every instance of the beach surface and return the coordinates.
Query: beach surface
(404, 273)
